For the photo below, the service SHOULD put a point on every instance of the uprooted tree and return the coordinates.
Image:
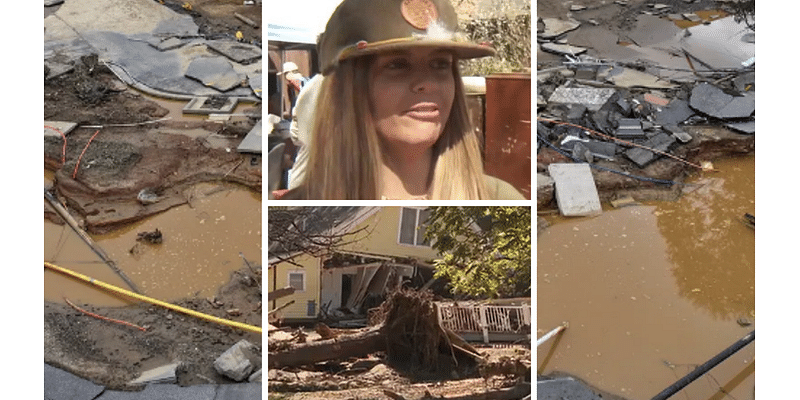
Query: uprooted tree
(486, 250)
(407, 330)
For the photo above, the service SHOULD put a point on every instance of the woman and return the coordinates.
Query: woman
(391, 118)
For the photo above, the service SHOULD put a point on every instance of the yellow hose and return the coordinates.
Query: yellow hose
(115, 289)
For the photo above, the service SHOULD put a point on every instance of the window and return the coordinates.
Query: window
(412, 226)
(297, 280)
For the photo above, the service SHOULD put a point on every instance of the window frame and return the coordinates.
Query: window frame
(417, 225)
(297, 272)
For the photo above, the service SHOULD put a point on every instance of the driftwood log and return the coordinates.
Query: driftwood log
(345, 346)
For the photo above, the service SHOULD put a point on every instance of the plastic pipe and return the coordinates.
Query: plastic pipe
(115, 289)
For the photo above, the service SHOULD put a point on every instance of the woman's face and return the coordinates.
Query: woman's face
(411, 94)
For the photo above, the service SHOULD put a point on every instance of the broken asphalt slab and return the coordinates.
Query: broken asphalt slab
(564, 388)
(554, 27)
(216, 72)
(82, 27)
(62, 385)
(712, 101)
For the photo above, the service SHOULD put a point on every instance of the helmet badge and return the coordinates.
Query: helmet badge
(419, 13)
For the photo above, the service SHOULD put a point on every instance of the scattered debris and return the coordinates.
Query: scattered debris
(154, 237)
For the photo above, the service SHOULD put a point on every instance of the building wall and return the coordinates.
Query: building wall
(384, 239)
(278, 277)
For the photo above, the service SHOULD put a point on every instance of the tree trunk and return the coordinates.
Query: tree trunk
(343, 347)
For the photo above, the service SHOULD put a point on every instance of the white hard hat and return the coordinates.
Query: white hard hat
(289, 67)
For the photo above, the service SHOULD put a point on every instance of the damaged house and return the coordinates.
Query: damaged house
(340, 261)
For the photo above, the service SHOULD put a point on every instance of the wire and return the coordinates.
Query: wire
(595, 166)
(625, 142)
(75, 172)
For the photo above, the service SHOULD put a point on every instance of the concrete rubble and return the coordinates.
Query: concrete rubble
(239, 361)
(647, 117)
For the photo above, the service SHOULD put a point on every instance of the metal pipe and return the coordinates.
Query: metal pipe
(705, 367)
(552, 333)
(86, 238)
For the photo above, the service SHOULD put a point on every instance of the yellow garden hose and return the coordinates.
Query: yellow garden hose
(115, 289)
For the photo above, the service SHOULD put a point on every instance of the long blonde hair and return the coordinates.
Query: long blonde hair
(345, 152)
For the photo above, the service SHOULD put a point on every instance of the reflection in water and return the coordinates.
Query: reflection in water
(656, 289)
(200, 249)
(711, 249)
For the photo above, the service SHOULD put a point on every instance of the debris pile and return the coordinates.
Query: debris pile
(645, 121)
(406, 344)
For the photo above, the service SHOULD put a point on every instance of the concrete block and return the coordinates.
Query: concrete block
(62, 385)
(235, 362)
(52, 128)
(592, 98)
(576, 193)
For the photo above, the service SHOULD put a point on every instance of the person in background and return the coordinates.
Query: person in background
(391, 120)
(300, 128)
(294, 80)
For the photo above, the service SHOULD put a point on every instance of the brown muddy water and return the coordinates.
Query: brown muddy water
(652, 291)
(200, 249)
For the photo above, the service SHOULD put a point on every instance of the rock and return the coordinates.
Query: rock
(147, 196)
(545, 188)
(235, 362)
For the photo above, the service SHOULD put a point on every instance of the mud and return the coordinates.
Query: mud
(112, 354)
(122, 149)
(663, 286)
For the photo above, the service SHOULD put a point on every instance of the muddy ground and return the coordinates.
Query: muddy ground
(343, 381)
(128, 155)
(113, 354)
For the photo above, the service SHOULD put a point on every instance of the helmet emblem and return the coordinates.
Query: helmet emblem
(419, 13)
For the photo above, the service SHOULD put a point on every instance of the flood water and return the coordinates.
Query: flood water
(200, 249)
(652, 291)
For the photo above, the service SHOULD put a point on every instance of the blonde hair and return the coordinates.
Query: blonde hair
(345, 152)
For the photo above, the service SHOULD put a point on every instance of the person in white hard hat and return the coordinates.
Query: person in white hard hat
(294, 80)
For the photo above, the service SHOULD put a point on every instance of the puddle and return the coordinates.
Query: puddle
(655, 289)
(200, 249)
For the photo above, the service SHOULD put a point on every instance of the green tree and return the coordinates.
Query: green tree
(486, 251)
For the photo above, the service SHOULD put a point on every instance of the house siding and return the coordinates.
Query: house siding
(384, 239)
(278, 277)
